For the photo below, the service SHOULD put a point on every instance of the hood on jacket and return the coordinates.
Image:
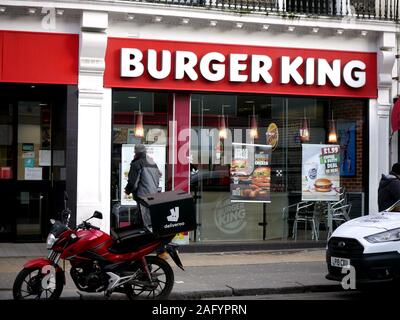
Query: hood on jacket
(386, 179)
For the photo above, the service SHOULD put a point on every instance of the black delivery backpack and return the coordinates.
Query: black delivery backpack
(171, 212)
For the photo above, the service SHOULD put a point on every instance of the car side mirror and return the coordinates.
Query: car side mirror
(97, 215)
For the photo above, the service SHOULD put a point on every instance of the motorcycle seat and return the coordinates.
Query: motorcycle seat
(128, 239)
(122, 234)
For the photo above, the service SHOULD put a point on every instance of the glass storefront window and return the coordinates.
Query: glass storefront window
(32, 158)
(6, 140)
(138, 117)
(34, 141)
(223, 220)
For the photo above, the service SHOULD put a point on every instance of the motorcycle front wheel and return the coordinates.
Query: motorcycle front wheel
(160, 286)
(33, 284)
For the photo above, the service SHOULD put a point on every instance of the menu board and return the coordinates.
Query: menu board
(320, 172)
(156, 152)
(250, 173)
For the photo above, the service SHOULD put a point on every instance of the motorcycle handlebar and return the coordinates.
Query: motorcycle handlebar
(87, 225)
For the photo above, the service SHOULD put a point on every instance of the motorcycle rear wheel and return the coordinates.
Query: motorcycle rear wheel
(162, 281)
(28, 285)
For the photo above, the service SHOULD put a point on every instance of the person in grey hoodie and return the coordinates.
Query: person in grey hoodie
(143, 179)
(389, 188)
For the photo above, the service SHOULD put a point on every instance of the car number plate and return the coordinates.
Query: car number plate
(339, 262)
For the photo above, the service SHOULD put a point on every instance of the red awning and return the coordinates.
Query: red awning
(395, 117)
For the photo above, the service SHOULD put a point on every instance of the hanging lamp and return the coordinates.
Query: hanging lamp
(222, 126)
(223, 134)
(253, 125)
(332, 135)
(139, 129)
(304, 129)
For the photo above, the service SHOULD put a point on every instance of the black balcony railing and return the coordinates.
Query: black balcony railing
(360, 9)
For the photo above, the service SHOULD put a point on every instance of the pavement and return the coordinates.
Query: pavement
(206, 275)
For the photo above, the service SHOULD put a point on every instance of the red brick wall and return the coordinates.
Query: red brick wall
(353, 110)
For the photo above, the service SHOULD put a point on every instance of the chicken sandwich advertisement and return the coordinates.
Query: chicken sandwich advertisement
(320, 172)
(251, 173)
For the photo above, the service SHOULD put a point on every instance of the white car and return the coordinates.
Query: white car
(371, 244)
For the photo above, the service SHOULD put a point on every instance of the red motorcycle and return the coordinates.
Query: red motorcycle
(99, 262)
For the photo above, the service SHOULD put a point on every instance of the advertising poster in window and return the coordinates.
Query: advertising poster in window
(347, 138)
(250, 173)
(156, 152)
(320, 172)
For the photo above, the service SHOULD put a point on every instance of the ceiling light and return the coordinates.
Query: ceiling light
(315, 30)
(2, 9)
(364, 33)
(332, 134)
(139, 129)
(239, 25)
(213, 23)
(265, 26)
(223, 132)
(32, 10)
(291, 28)
(60, 12)
(185, 21)
(339, 31)
(305, 129)
(253, 127)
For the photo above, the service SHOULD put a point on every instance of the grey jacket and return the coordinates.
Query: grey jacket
(144, 176)
(389, 191)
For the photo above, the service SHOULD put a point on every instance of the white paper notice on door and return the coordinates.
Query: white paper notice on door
(33, 173)
(44, 158)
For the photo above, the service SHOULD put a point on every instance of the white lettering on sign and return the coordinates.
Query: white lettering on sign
(310, 71)
(325, 70)
(354, 74)
(236, 66)
(165, 64)
(131, 65)
(212, 66)
(185, 63)
(207, 63)
(289, 70)
(260, 66)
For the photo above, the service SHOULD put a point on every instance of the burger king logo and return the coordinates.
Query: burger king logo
(230, 217)
(272, 135)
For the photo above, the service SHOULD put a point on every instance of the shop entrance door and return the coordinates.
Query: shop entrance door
(32, 161)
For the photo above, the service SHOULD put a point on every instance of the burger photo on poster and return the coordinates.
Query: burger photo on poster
(323, 185)
(239, 167)
(261, 177)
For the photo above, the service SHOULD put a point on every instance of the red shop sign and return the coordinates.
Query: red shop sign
(193, 66)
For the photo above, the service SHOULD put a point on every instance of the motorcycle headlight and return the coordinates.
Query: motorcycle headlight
(50, 240)
(386, 236)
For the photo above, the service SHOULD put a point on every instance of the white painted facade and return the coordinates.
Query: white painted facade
(95, 21)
